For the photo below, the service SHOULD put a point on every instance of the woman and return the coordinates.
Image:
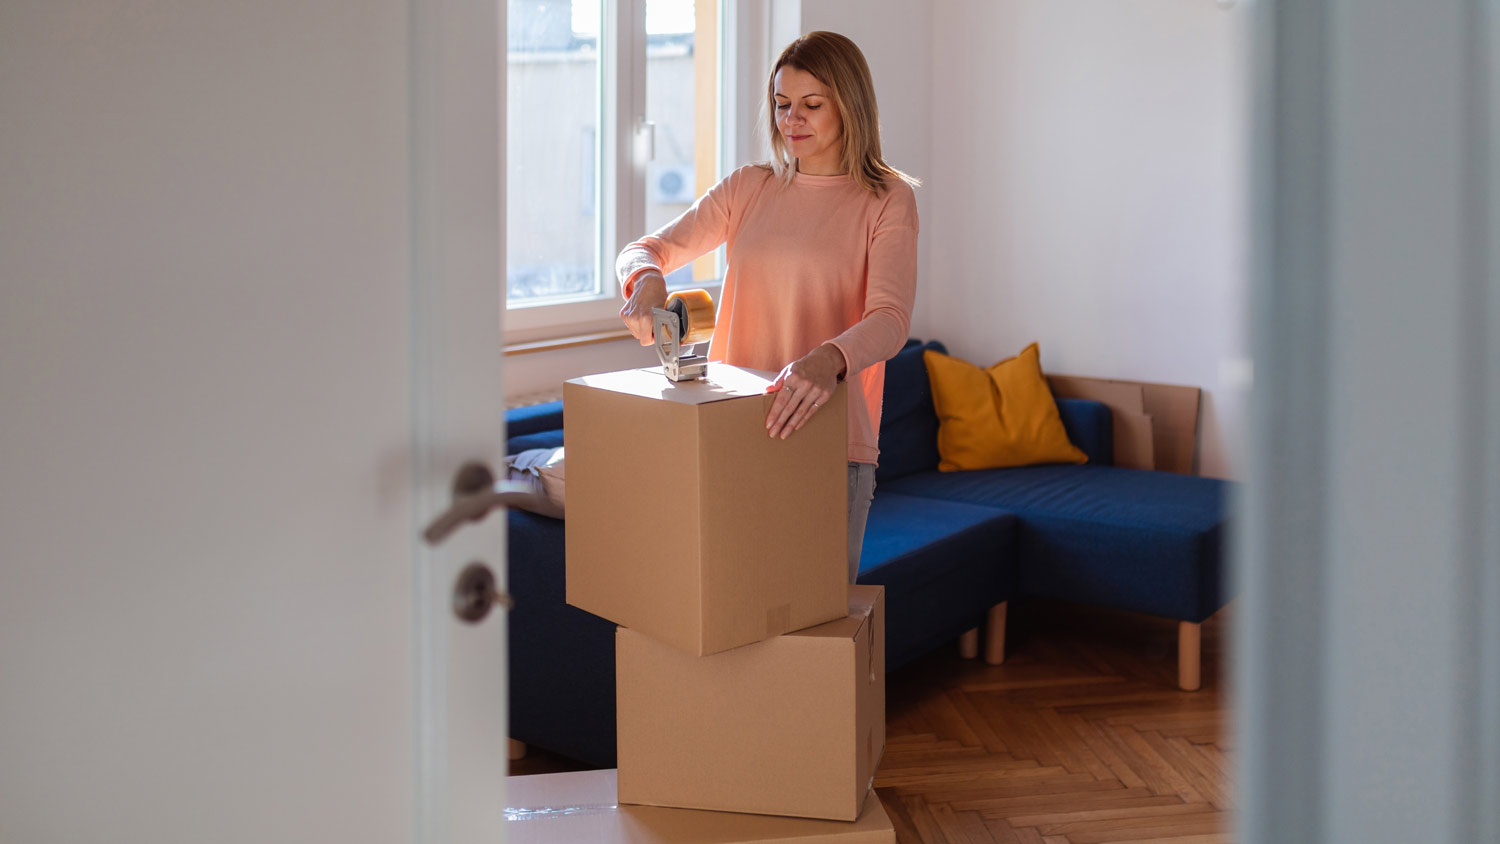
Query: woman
(822, 253)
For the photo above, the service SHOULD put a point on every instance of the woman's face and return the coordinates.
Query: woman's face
(808, 121)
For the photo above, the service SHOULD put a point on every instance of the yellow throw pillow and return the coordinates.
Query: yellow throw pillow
(1002, 416)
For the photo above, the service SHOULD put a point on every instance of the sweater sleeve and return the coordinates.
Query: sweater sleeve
(699, 230)
(890, 286)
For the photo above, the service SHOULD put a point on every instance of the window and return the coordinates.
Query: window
(612, 116)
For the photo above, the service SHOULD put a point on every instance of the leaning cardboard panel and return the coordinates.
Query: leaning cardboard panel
(1156, 425)
(687, 523)
(580, 808)
(1132, 427)
(794, 725)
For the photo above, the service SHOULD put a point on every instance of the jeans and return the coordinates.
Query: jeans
(861, 493)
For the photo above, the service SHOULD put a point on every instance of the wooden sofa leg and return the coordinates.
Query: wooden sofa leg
(517, 750)
(994, 635)
(968, 644)
(1189, 655)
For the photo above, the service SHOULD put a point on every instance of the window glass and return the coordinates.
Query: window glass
(552, 151)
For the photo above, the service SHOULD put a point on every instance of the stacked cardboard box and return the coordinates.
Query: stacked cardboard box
(750, 676)
(687, 523)
(793, 725)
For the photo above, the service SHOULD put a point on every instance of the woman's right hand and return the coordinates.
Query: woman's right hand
(649, 291)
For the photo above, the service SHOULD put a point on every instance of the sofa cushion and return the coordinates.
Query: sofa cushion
(908, 424)
(996, 417)
(943, 563)
(1090, 427)
(1144, 541)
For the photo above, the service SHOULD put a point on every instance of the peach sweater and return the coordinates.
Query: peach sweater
(820, 260)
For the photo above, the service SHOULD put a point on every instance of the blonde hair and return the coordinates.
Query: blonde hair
(836, 62)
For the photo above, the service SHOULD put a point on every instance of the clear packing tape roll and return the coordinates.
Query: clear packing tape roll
(695, 314)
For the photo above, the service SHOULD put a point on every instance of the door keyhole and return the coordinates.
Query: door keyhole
(475, 592)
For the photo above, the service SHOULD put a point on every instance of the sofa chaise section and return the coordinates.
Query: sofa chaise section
(1142, 541)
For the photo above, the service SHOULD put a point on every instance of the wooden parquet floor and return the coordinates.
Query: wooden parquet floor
(1081, 737)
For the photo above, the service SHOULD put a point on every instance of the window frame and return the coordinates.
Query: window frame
(623, 141)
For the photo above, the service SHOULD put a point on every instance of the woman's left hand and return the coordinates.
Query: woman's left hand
(803, 387)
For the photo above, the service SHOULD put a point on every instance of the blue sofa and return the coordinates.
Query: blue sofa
(952, 549)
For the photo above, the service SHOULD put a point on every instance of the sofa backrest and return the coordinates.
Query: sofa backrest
(534, 418)
(909, 424)
(537, 426)
(1090, 427)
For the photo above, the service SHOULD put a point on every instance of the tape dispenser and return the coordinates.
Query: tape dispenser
(687, 319)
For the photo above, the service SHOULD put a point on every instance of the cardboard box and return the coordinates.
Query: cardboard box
(794, 725)
(580, 808)
(688, 523)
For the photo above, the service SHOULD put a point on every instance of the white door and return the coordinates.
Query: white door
(249, 329)
(1368, 640)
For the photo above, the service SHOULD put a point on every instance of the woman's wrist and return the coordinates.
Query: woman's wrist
(838, 361)
(649, 278)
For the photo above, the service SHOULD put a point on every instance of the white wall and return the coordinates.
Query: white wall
(1088, 191)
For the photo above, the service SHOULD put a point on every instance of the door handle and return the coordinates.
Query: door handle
(475, 494)
(646, 132)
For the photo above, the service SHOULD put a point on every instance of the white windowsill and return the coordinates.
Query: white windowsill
(546, 327)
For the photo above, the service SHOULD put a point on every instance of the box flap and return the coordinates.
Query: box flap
(861, 605)
(721, 382)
